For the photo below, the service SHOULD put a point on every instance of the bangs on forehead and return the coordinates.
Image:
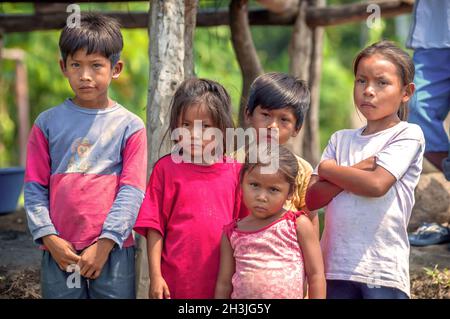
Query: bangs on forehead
(203, 106)
(90, 42)
(91, 45)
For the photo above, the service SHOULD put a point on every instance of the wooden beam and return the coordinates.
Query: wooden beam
(45, 7)
(355, 12)
(31, 22)
(331, 15)
(280, 6)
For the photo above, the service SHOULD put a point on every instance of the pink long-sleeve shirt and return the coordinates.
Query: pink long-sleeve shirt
(85, 174)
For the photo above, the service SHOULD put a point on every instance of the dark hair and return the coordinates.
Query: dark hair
(278, 90)
(287, 165)
(402, 61)
(204, 92)
(96, 34)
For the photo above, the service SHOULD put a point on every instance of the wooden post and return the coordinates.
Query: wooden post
(311, 141)
(244, 49)
(167, 70)
(1, 48)
(305, 51)
(23, 108)
(189, 31)
(299, 61)
(22, 103)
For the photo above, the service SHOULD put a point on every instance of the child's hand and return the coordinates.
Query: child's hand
(368, 164)
(94, 258)
(61, 250)
(158, 288)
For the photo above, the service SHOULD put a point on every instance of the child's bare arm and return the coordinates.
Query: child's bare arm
(314, 217)
(374, 183)
(312, 257)
(321, 191)
(226, 270)
(158, 286)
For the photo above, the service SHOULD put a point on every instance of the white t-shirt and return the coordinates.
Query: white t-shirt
(365, 238)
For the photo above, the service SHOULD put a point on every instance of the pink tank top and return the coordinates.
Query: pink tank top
(269, 261)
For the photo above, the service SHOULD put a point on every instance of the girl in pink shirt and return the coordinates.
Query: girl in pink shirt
(267, 254)
(191, 195)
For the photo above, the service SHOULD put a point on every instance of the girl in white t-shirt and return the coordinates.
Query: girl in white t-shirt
(366, 180)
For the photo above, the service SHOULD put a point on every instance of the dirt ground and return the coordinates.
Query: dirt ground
(20, 263)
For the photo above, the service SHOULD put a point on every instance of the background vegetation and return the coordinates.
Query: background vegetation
(214, 58)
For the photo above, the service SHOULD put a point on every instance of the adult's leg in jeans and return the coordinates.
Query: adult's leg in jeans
(431, 102)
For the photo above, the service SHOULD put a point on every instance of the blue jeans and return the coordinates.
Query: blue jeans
(431, 102)
(116, 281)
(345, 289)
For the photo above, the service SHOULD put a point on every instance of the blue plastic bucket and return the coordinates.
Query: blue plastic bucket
(11, 183)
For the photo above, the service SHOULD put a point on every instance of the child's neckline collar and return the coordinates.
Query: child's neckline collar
(69, 102)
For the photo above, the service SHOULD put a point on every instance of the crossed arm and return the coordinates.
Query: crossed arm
(365, 178)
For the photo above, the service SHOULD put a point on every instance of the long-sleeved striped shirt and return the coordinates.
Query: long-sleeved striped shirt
(85, 174)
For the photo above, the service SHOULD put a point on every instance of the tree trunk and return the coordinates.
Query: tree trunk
(244, 49)
(23, 108)
(299, 61)
(168, 37)
(21, 97)
(189, 30)
(1, 53)
(305, 52)
(311, 141)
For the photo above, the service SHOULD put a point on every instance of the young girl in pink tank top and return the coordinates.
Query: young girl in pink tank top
(268, 253)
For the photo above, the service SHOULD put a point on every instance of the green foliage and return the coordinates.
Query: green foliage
(271, 44)
(7, 132)
(336, 99)
(439, 277)
(131, 87)
(214, 58)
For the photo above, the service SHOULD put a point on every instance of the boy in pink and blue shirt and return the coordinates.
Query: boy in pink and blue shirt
(85, 174)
